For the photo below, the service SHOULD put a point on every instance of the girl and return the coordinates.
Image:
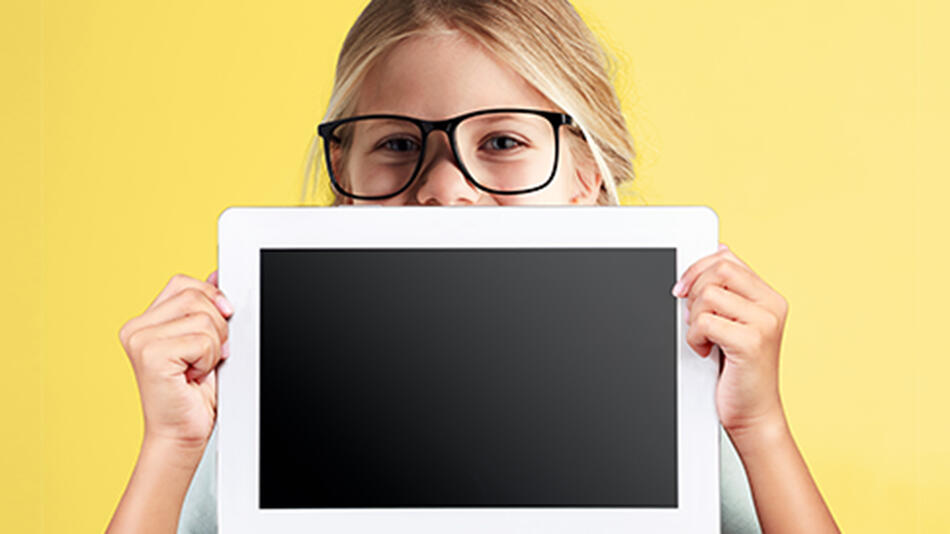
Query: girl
(502, 81)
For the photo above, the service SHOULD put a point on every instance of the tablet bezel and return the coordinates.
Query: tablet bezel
(244, 231)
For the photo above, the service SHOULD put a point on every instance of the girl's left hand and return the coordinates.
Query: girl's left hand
(730, 306)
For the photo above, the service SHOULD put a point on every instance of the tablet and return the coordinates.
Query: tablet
(464, 369)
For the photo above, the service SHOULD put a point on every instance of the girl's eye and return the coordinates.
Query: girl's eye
(400, 144)
(502, 143)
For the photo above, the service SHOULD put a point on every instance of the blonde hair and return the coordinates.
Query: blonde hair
(545, 41)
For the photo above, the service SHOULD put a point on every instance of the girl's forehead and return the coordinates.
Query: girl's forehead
(440, 75)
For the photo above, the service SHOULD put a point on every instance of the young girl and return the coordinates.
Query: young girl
(514, 77)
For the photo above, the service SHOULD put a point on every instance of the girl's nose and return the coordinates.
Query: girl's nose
(440, 180)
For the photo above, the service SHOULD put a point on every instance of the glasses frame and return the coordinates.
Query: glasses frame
(449, 126)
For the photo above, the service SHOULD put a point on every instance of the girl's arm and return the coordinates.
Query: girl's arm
(730, 306)
(153, 499)
(786, 498)
(174, 348)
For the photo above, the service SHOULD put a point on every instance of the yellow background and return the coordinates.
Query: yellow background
(816, 129)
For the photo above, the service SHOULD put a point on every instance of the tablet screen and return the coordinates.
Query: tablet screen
(488, 377)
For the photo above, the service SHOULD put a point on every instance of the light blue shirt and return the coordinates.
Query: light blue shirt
(737, 511)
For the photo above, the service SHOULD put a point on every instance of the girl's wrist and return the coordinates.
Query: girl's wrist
(171, 453)
(765, 434)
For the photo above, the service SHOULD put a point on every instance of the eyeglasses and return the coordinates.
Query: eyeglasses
(506, 151)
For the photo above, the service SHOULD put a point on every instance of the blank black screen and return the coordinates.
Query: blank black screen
(468, 378)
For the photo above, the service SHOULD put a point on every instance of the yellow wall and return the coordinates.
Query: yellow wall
(815, 129)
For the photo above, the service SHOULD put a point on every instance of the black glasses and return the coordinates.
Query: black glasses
(506, 151)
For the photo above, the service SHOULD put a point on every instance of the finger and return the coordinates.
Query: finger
(193, 374)
(193, 323)
(208, 382)
(189, 351)
(726, 303)
(180, 282)
(729, 275)
(213, 278)
(682, 287)
(188, 301)
(720, 301)
(739, 278)
(708, 329)
(765, 294)
(203, 367)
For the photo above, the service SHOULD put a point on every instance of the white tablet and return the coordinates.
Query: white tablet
(428, 370)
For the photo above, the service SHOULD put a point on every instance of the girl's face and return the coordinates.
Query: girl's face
(436, 77)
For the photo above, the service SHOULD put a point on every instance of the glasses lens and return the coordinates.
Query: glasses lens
(374, 157)
(507, 151)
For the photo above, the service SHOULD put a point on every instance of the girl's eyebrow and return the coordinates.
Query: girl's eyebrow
(369, 126)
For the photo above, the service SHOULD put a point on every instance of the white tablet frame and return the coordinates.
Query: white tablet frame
(243, 231)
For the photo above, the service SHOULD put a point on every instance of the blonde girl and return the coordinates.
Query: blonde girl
(436, 76)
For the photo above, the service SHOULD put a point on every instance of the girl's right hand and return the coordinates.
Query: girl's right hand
(175, 347)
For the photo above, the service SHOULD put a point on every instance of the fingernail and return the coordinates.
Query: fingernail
(722, 246)
(686, 315)
(224, 305)
(677, 288)
(225, 350)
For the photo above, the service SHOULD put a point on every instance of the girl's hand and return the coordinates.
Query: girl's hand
(174, 347)
(730, 306)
